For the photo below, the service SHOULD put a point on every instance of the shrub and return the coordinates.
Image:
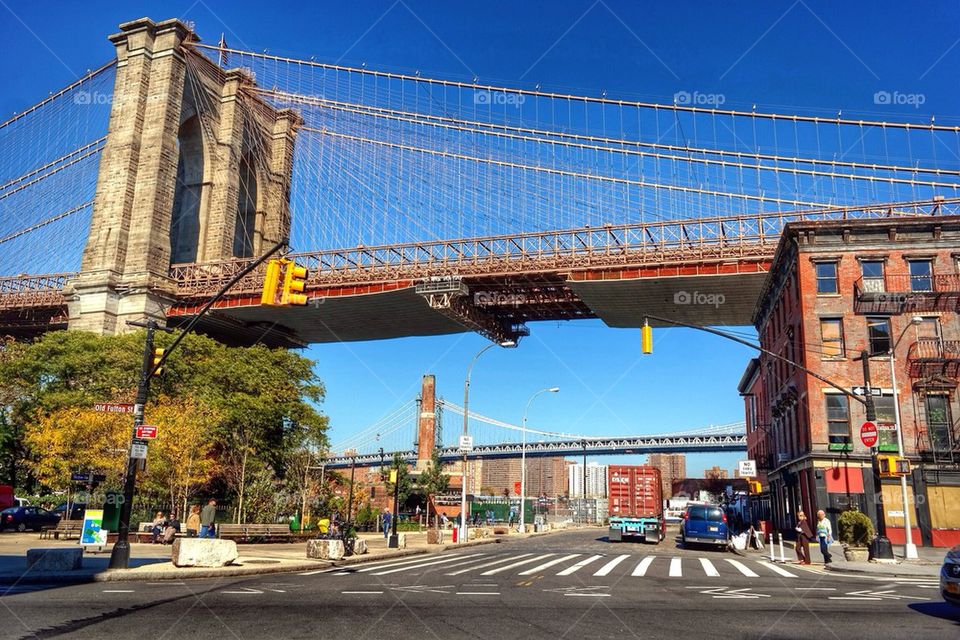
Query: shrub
(854, 529)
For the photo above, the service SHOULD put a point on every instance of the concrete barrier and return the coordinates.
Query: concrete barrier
(56, 559)
(325, 549)
(359, 546)
(203, 552)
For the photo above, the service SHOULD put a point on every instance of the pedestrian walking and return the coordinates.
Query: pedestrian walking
(208, 519)
(804, 536)
(444, 520)
(193, 521)
(824, 536)
(387, 520)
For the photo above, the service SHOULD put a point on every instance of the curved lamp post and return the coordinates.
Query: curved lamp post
(523, 453)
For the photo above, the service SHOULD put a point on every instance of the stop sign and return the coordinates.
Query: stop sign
(868, 434)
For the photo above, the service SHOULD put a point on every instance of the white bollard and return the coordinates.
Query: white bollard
(783, 558)
(771, 548)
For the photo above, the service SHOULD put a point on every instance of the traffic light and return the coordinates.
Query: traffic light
(893, 466)
(157, 356)
(754, 487)
(294, 282)
(271, 282)
(646, 338)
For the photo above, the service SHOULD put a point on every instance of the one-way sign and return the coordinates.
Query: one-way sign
(862, 391)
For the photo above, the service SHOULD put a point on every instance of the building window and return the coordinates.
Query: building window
(831, 332)
(938, 423)
(921, 275)
(878, 334)
(872, 271)
(886, 420)
(827, 278)
(838, 421)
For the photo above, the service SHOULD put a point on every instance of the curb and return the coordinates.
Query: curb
(879, 574)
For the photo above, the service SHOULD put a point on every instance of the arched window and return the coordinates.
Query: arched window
(246, 210)
(185, 220)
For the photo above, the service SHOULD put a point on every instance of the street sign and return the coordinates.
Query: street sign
(895, 514)
(81, 477)
(516, 488)
(886, 426)
(146, 431)
(113, 407)
(868, 434)
(466, 444)
(138, 451)
(862, 391)
(747, 468)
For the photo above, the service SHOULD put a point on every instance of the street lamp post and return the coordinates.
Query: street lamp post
(523, 455)
(909, 548)
(466, 412)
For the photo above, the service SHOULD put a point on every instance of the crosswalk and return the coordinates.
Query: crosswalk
(572, 564)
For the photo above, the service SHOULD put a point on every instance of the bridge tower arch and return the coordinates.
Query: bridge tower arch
(196, 167)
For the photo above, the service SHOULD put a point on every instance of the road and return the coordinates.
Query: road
(567, 585)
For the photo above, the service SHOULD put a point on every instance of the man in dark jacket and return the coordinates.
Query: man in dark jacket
(208, 517)
(804, 536)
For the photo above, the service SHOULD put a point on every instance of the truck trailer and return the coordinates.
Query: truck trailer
(636, 503)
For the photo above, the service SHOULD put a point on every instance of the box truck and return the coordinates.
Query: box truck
(636, 503)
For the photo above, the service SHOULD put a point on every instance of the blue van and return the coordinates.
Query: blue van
(704, 524)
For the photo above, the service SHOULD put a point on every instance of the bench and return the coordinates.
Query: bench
(145, 532)
(67, 528)
(261, 532)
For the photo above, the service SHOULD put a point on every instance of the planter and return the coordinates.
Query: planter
(856, 554)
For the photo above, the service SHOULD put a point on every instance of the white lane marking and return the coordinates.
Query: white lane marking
(852, 598)
(490, 564)
(815, 588)
(587, 595)
(390, 565)
(742, 568)
(118, 591)
(778, 570)
(478, 593)
(579, 565)
(361, 592)
(475, 561)
(607, 568)
(415, 566)
(245, 591)
(709, 569)
(675, 568)
(310, 573)
(515, 564)
(548, 564)
(641, 569)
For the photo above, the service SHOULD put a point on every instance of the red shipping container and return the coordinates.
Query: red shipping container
(634, 491)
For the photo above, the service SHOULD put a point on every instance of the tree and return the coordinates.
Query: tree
(433, 480)
(403, 479)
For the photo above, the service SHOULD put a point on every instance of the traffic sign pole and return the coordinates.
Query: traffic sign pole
(880, 547)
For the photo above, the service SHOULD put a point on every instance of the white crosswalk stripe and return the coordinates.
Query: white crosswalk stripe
(489, 564)
(742, 568)
(580, 565)
(778, 570)
(515, 564)
(419, 566)
(548, 564)
(641, 569)
(675, 568)
(607, 568)
(709, 569)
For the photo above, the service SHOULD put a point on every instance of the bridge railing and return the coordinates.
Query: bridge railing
(703, 239)
(33, 290)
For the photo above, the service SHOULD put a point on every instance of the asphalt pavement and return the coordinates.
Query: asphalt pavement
(568, 585)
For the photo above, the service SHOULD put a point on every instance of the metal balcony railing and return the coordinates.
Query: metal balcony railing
(928, 357)
(903, 292)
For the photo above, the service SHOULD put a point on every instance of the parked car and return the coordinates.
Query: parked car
(23, 518)
(704, 524)
(76, 511)
(950, 577)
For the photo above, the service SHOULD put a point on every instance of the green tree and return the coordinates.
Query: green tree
(404, 480)
(433, 480)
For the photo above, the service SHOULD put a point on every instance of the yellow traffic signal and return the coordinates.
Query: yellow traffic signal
(754, 487)
(157, 356)
(294, 282)
(271, 282)
(893, 466)
(646, 338)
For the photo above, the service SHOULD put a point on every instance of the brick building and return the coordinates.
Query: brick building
(545, 476)
(716, 473)
(673, 467)
(835, 289)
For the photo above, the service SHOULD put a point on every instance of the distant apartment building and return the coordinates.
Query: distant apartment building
(673, 467)
(837, 289)
(596, 480)
(545, 476)
(716, 473)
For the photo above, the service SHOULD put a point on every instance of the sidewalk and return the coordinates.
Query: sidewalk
(928, 565)
(152, 562)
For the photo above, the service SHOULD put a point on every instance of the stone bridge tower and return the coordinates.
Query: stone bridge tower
(196, 168)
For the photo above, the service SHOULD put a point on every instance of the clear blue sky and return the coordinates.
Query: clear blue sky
(813, 57)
